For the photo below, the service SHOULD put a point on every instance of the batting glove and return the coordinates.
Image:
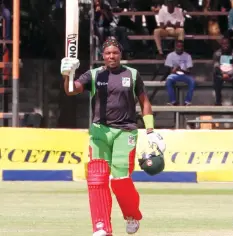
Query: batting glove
(69, 65)
(156, 139)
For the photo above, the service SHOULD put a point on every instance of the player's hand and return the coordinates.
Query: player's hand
(69, 65)
(156, 141)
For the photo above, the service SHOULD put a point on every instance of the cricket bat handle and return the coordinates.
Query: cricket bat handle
(71, 81)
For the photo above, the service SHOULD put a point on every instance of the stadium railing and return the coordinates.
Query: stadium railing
(187, 36)
(179, 111)
(191, 13)
(153, 61)
(200, 110)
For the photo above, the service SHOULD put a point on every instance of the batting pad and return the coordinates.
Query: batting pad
(127, 197)
(100, 199)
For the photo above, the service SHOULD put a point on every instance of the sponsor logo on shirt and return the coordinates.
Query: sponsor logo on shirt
(125, 81)
(102, 83)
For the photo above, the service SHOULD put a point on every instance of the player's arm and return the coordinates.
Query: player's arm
(81, 83)
(78, 87)
(147, 114)
(144, 104)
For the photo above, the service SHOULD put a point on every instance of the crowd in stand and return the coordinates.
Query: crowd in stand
(169, 20)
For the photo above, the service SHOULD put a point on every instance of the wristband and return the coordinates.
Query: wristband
(148, 121)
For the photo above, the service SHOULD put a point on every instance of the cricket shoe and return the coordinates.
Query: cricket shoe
(100, 232)
(132, 225)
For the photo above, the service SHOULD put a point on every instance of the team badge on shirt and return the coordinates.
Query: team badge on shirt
(131, 140)
(125, 81)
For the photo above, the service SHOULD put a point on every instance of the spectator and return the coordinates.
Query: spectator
(171, 22)
(107, 25)
(121, 34)
(217, 25)
(223, 68)
(230, 22)
(179, 64)
(102, 18)
(5, 13)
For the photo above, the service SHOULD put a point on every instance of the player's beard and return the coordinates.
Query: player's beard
(113, 64)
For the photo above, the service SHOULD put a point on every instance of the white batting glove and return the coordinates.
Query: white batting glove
(156, 139)
(69, 65)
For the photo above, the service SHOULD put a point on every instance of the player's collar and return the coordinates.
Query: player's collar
(114, 70)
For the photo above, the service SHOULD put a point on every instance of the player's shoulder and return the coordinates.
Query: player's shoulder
(101, 68)
(134, 72)
(95, 71)
(131, 69)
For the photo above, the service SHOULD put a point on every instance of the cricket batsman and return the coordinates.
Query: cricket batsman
(113, 136)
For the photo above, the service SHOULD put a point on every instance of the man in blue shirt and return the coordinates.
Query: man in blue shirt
(180, 64)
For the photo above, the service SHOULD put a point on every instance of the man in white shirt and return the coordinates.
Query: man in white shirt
(180, 64)
(171, 21)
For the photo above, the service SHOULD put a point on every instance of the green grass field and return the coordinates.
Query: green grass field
(61, 209)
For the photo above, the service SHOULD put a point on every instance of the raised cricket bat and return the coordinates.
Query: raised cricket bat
(72, 33)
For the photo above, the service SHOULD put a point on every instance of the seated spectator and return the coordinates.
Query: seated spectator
(230, 22)
(171, 22)
(179, 64)
(223, 69)
(5, 13)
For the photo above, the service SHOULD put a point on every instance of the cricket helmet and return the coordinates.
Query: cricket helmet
(152, 163)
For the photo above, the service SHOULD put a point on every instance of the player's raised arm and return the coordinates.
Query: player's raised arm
(78, 88)
(69, 65)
